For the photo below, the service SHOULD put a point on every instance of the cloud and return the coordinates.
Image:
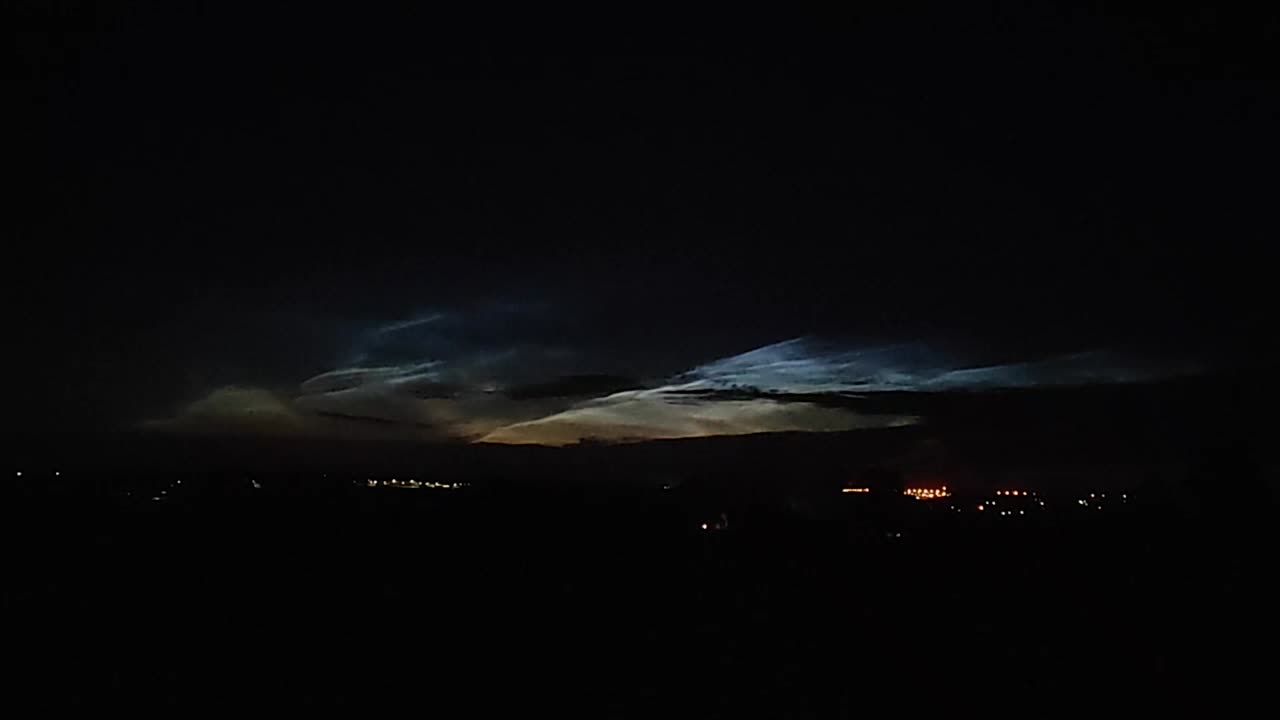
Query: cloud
(410, 323)
(814, 365)
(238, 410)
(353, 377)
(494, 343)
(809, 385)
(488, 375)
(654, 414)
(467, 415)
(573, 386)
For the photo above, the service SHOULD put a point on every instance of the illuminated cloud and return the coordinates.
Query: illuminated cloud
(811, 365)
(238, 410)
(808, 365)
(491, 346)
(653, 414)
(346, 378)
(258, 411)
(465, 415)
(487, 375)
(804, 385)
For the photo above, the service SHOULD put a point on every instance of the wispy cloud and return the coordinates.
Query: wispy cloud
(814, 365)
(471, 377)
(237, 410)
(653, 414)
(410, 323)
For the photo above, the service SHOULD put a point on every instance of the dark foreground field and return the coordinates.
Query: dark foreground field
(621, 606)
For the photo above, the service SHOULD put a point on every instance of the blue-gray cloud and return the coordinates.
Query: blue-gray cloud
(659, 413)
(507, 373)
(815, 365)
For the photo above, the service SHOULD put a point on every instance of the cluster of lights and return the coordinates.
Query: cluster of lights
(413, 484)
(165, 492)
(927, 493)
(855, 490)
(1095, 499)
(720, 524)
(1030, 494)
(1004, 513)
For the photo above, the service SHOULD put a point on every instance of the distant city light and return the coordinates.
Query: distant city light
(19, 473)
(855, 490)
(414, 484)
(704, 526)
(57, 473)
(927, 493)
(982, 507)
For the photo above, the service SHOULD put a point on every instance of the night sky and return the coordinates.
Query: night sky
(251, 224)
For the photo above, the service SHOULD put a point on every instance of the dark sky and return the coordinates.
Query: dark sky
(244, 200)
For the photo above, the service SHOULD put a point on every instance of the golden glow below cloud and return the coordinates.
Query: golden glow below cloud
(645, 415)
